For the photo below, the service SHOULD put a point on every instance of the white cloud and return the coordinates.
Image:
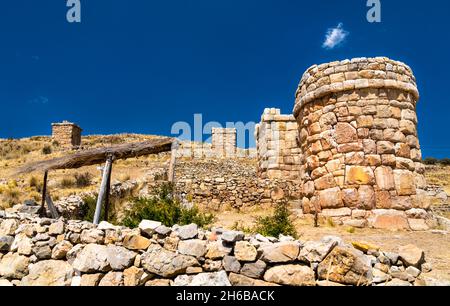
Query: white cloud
(335, 37)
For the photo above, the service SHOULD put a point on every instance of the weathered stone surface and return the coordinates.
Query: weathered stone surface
(345, 133)
(217, 250)
(134, 276)
(244, 281)
(49, 273)
(385, 178)
(56, 228)
(93, 258)
(42, 251)
(280, 252)
(163, 230)
(231, 264)
(187, 231)
(316, 251)
(347, 266)
(232, 236)
(92, 236)
(119, 258)
(358, 175)
(91, 280)
(5, 283)
(245, 251)
(148, 227)
(136, 242)
(404, 182)
(291, 275)
(61, 249)
(411, 255)
(112, 279)
(194, 247)
(8, 227)
(14, 266)
(330, 198)
(6, 243)
(389, 219)
(218, 279)
(418, 225)
(159, 283)
(254, 270)
(165, 263)
(397, 283)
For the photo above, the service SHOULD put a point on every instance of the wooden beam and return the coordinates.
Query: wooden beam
(51, 206)
(171, 174)
(103, 187)
(42, 211)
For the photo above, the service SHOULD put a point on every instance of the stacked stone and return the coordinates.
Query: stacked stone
(224, 141)
(358, 136)
(67, 134)
(205, 150)
(277, 148)
(42, 252)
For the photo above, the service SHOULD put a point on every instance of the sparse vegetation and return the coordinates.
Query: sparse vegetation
(83, 179)
(67, 182)
(46, 150)
(88, 210)
(164, 208)
(276, 224)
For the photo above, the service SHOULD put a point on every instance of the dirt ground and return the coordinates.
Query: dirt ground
(435, 244)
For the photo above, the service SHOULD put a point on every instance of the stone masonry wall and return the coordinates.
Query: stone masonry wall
(67, 134)
(277, 147)
(224, 141)
(43, 252)
(358, 136)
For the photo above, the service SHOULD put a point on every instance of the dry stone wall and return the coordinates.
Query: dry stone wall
(277, 148)
(43, 252)
(224, 141)
(358, 138)
(67, 134)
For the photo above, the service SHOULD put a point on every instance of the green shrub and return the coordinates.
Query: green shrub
(165, 209)
(445, 161)
(430, 161)
(46, 150)
(67, 182)
(278, 223)
(83, 179)
(88, 209)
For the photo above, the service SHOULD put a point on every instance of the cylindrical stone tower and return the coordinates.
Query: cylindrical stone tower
(358, 137)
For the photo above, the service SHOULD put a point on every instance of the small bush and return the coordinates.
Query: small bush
(430, 161)
(83, 179)
(36, 183)
(67, 182)
(445, 161)
(278, 223)
(88, 210)
(165, 209)
(46, 150)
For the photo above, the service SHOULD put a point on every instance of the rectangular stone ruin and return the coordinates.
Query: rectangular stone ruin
(67, 134)
(277, 150)
(224, 142)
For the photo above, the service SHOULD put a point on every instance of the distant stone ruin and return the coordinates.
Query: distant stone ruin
(277, 148)
(67, 134)
(224, 141)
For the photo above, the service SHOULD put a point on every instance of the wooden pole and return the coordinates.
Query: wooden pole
(42, 211)
(107, 195)
(102, 191)
(171, 175)
(51, 206)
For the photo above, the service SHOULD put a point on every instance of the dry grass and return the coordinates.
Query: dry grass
(439, 175)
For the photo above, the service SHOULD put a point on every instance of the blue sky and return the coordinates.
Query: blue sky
(141, 65)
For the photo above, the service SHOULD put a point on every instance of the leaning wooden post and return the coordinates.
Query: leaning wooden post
(173, 157)
(102, 191)
(107, 195)
(44, 195)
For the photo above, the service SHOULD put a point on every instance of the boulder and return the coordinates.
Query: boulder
(187, 231)
(218, 279)
(112, 279)
(56, 228)
(194, 247)
(389, 219)
(397, 283)
(13, 265)
(93, 258)
(346, 265)
(61, 249)
(217, 250)
(232, 236)
(134, 276)
(281, 252)
(244, 281)
(245, 251)
(165, 263)
(231, 264)
(159, 283)
(6, 243)
(91, 280)
(136, 242)
(148, 227)
(49, 273)
(42, 252)
(119, 258)
(92, 236)
(163, 230)
(316, 251)
(291, 275)
(254, 269)
(8, 227)
(411, 255)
